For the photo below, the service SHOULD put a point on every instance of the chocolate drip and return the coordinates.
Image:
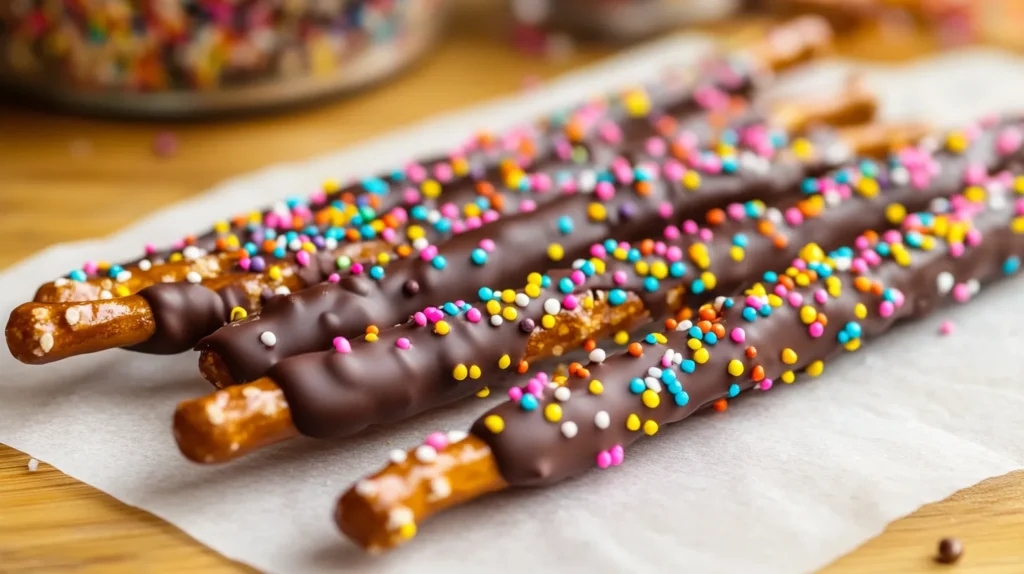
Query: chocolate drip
(530, 451)
(183, 313)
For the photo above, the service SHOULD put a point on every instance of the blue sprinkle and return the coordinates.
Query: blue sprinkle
(78, 275)
(397, 175)
(842, 177)
(443, 225)
(367, 232)
(291, 236)
(698, 287)
(668, 375)
(696, 333)
(810, 185)
(883, 249)
(115, 270)
(729, 137)
(674, 387)
(588, 268)
(740, 240)
(418, 212)
(450, 308)
(610, 245)
(688, 366)
(616, 297)
(292, 202)
(565, 224)
(375, 185)
(913, 238)
(710, 338)
(681, 398)
(749, 313)
(1011, 265)
(545, 281)
(279, 252)
(677, 269)
(752, 209)
(377, 272)
(251, 248)
(729, 165)
(843, 338)
(734, 390)
(651, 339)
(727, 303)
(771, 277)
(565, 285)
(528, 402)
(485, 294)
(853, 329)
(483, 203)
(868, 168)
(650, 284)
(889, 295)
(479, 256)
(765, 310)
(439, 262)
(633, 255)
(637, 386)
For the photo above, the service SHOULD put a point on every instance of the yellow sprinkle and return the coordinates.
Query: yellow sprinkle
(860, 310)
(588, 303)
(508, 295)
(547, 321)
(504, 362)
(637, 103)
(699, 255)
(238, 313)
(510, 314)
(974, 194)
(221, 226)
(650, 427)
(233, 242)
(642, 268)
(431, 188)
(802, 280)
(621, 338)
(460, 372)
(484, 393)
(812, 252)
(377, 225)
(1017, 225)
(121, 291)
(474, 372)
(274, 273)
(788, 377)
(774, 300)
(493, 307)
(691, 180)
(442, 328)
(596, 212)
(852, 345)
(532, 291)
(595, 387)
(956, 142)
(815, 368)
(534, 278)
(330, 185)
(701, 356)
(633, 422)
(834, 286)
(735, 368)
(901, 256)
(371, 338)
(553, 412)
(803, 149)
(472, 210)
(556, 252)
(1018, 184)
(694, 344)
(407, 530)
(710, 279)
(383, 258)
(415, 232)
(460, 166)
(660, 338)
(867, 187)
(494, 423)
(808, 314)
(659, 270)
(651, 399)
(620, 253)
(724, 148)
(789, 356)
(736, 253)
(599, 266)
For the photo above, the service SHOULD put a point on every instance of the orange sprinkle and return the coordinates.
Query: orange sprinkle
(297, 222)
(684, 314)
(222, 244)
(589, 345)
(390, 220)
(719, 330)
(269, 245)
(780, 241)
(871, 236)
(671, 324)
(485, 188)
(765, 227)
(647, 247)
(352, 234)
(757, 373)
(348, 197)
(240, 220)
(787, 282)
(721, 405)
(375, 201)
(190, 240)
(666, 126)
(862, 284)
(574, 367)
(635, 349)
(372, 330)
(679, 151)
(716, 216)
(404, 250)
(704, 326)
(877, 288)
(643, 188)
(707, 313)
(811, 274)
(522, 367)
(823, 319)
(751, 352)
(498, 201)
(321, 217)
(584, 373)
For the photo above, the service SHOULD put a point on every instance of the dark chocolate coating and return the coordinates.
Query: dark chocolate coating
(184, 313)
(531, 451)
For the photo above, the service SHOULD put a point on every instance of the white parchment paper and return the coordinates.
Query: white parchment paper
(784, 481)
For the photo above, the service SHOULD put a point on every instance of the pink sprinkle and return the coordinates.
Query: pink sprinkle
(861, 243)
(487, 245)
(821, 296)
(245, 263)
(428, 253)
(886, 309)
(604, 190)
(816, 329)
(736, 211)
(897, 298)
(946, 328)
(302, 257)
(674, 170)
(956, 249)
(705, 234)
(604, 459)
(674, 253)
(973, 237)
(960, 293)
(515, 393)
(357, 268)
(434, 314)
(342, 345)
(598, 250)
(541, 182)
(411, 196)
(690, 227)
(90, 267)
(569, 302)
(473, 315)
(1009, 141)
(438, 440)
(578, 277)
(665, 210)
(450, 210)
(419, 318)
(333, 278)
(389, 235)
(655, 147)
(738, 335)
(781, 290)
(619, 277)
(765, 384)
(490, 216)
(165, 144)
(618, 455)
(403, 343)
(795, 299)
(753, 301)
(892, 236)
(974, 174)
(416, 172)
(610, 132)
(527, 206)
(535, 387)
(443, 172)
(672, 233)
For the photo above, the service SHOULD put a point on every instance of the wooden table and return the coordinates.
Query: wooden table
(55, 169)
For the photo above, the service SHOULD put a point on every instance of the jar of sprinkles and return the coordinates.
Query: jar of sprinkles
(177, 58)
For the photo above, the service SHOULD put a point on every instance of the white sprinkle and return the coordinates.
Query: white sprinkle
(842, 263)
(61, 281)
(233, 447)
(455, 436)
(426, 453)
(602, 420)
(939, 205)
(145, 265)
(552, 385)
(684, 325)
(420, 243)
(654, 372)
(33, 465)
(774, 215)
(104, 294)
(366, 488)
(281, 208)
(720, 302)
(282, 290)
(997, 200)
(440, 487)
(330, 244)
(587, 180)
(397, 456)
(945, 282)
(522, 299)
(191, 252)
(268, 338)
(597, 356)
(72, 316)
(399, 517)
(569, 429)
(496, 320)
(669, 353)
(123, 276)
(434, 216)
(653, 384)
(46, 342)
(832, 198)
(552, 306)
(294, 245)
(562, 393)
(899, 176)
(837, 153)
(193, 277)
(677, 358)
(973, 286)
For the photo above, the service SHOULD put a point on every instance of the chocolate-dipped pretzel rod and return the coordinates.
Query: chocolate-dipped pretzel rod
(445, 354)
(791, 322)
(627, 201)
(598, 126)
(40, 333)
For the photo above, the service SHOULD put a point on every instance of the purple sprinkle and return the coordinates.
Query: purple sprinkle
(627, 210)
(258, 264)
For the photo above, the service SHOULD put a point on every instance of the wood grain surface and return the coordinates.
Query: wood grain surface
(65, 178)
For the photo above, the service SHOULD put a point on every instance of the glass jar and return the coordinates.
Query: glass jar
(175, 58)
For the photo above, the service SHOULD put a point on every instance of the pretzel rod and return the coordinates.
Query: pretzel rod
(792, 322)
(455, 179)
(427, 362)
(37, 339)
(628, 200)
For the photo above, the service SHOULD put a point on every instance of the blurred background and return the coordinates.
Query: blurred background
(113, 108)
